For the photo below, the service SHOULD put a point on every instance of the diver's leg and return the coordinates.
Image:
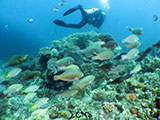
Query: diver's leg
(81, 24)
(62, 23)
(59, 22)
(72, 10)
(78, 26)
(84, 13)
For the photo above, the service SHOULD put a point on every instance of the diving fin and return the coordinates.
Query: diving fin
(59, 22)
(72, 10)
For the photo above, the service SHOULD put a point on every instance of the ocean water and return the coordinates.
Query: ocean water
(29, 37)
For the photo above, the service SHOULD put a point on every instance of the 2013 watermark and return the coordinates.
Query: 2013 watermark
(80, 114)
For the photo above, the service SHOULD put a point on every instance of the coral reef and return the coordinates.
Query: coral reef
(135, 98)
(40, 114)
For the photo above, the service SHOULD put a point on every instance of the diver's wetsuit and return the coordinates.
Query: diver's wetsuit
(94, 18)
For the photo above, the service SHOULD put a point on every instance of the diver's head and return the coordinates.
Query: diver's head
(95, 9)
(92, 10)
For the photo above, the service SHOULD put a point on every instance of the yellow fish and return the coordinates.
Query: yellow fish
(133, 45)
(64, 61)
(13, 88)
(131, 54)
(107, 54)
(130, 39)
(16, 60)
(68, 93)
(29, 96)
(32, 88)
(85, 81)
(13, 72)
(116, 69)
(89, 51)
(39, 103)
(136, 69)
(72, 66)
(69, 75)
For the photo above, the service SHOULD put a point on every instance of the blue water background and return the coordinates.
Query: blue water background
(22, 36)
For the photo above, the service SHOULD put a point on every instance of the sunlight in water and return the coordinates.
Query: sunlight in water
(105, 3)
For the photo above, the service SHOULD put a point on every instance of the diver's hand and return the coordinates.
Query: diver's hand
(59, 22)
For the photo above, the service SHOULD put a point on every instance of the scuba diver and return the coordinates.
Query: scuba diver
(92, 16)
